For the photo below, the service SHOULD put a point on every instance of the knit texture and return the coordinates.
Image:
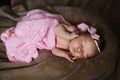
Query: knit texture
(34, 31)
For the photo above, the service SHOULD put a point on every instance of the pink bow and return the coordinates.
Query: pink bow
(84, 27)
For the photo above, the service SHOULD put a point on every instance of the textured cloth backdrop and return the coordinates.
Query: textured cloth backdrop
(49, 67)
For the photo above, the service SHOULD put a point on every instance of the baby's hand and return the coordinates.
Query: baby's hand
(74, 34)
(70, 59)
(74, 58)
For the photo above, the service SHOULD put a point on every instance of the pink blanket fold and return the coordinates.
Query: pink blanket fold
(34, 31)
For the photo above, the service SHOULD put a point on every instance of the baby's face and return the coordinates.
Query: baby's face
(83, 46)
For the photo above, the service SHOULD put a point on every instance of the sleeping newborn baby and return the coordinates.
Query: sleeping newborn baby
(43, 30)
(73, 43)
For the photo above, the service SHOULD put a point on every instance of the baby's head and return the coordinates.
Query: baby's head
(83, 46)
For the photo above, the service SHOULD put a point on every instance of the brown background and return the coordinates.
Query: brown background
(110, 13)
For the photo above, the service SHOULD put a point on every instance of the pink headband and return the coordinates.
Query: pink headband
(84, 27)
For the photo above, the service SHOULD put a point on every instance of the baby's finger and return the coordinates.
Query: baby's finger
(74, 58)
(70, 59)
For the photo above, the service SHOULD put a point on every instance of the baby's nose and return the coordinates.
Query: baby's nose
(79, 50)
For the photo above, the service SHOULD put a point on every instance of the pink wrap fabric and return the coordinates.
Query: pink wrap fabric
(34, 31)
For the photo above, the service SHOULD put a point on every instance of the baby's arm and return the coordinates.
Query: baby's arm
(62, 53)
(66, 32)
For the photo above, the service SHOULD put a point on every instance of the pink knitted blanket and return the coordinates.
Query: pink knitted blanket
(34, 31)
